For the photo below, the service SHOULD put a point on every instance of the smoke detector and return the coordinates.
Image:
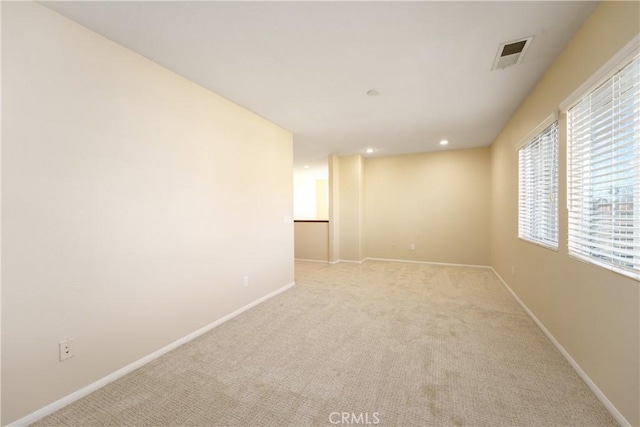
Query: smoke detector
(511, 53)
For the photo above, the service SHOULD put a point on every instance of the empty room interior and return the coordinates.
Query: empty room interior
(320, 213)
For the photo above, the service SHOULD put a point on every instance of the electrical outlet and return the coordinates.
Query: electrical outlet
(65, 348)
(245, 281)
(412, 247)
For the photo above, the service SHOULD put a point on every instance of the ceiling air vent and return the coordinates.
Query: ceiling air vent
(511, 53)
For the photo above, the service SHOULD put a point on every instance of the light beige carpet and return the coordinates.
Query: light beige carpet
(402, 344)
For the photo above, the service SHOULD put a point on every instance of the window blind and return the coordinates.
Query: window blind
(604, 173)
(538, 188)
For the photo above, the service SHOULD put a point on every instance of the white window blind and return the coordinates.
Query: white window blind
(538, 188)
(604, 173)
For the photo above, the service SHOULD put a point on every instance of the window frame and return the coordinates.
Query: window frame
(538, 132)
(590, 87)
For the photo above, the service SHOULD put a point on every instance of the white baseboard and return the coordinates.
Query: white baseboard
(59, 404)
(405, 260)
(594, 388)
(312, 260)
(426, 262)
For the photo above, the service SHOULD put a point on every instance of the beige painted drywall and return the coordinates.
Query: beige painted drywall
(310, 197)
(312, 241)
(333, 185)
(304, 197)
(322, 198)
(439, 202)
(592, 312)
(0, 217)
(133, 203)
(349, 208)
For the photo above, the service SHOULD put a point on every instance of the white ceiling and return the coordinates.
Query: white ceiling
(308, 65)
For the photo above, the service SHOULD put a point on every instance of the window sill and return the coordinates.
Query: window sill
(542, 245)
(588, 260)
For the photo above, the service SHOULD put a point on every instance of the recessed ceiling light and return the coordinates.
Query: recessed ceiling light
(373, 92)
(444, 142)
(370, 150)
(306, 166)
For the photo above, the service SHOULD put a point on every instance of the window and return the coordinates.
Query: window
(538, 188)
(604, 173)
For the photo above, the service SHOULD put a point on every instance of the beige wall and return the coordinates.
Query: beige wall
(439, 202)
(309, 197)
(1, 316)
(304, 197)
(592, 312)
(312, 241)
(133, 203)
(322, 199)
(349, 208)
(333, 187)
